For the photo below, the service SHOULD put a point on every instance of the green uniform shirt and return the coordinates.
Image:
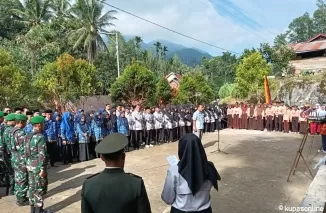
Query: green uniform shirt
(114, 191)
(17, 144)
(6, 138)
(36, 152)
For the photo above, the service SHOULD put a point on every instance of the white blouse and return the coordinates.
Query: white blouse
(177, 193)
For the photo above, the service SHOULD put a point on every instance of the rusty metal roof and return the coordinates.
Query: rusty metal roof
(309, 46)
(316, 43)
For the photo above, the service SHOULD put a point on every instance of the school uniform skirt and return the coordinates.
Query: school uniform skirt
(84, 151)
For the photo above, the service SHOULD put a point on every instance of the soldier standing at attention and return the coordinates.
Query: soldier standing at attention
(36, 163)
(113, 190)
(18, 159)
(7, 150)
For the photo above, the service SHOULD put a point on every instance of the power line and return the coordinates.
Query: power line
(241, 13)
(238, 18)
(166, 28)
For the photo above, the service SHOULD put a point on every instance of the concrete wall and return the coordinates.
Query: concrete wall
(315, 197)
(315, 64)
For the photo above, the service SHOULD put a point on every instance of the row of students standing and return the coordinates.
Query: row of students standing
(273, 117)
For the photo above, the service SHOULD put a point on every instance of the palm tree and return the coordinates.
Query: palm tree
(61, 8)
(89, 13)
(32, 12)
(164, 50)
(158, 47)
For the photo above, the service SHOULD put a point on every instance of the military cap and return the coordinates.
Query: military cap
(1, 114)
(29, 113)
(36, 110)
(11, 117)
(48, 111)
(112, 143)
(37, 119)
(18, 109)
(21, 117)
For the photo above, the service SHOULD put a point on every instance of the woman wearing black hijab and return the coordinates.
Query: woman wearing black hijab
(188, 184)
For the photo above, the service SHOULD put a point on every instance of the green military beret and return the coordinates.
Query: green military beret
(11, 117)
(21, 117)
(37, 119)
(112, 143)
(1, 114)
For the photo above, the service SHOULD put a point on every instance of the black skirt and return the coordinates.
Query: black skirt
(83, 152)
(174, 210)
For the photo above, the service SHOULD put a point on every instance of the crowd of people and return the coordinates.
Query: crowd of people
(275, 117)
(30, 139)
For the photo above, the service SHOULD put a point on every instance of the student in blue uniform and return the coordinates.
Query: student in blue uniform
(68, 137)
(97, 127)
(83, 132)
(123, 127)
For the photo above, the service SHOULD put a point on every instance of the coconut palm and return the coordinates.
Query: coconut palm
(89, 12)
(61, 8)
(32, 12)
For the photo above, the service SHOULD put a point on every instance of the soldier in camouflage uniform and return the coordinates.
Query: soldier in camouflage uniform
(3, 174)
(7, 150)
(18, 159)
(36, 163)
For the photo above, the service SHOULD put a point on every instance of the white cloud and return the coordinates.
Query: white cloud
(195, 18)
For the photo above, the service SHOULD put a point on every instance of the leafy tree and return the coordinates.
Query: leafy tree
(319, 17)
(134, 86)
(163, 91)
(106, 67)
(301, 29)
(89, 12)
(194, 88)
(14, 83)
(280, 40)
(9, 27)
(33, 12)
(279, 57)
(227, 90)
(250, 75)
(220, 70)
(66, 80)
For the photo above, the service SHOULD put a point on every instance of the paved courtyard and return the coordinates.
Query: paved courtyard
(253, 174)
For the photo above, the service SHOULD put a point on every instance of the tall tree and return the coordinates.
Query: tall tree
(250, 75)
(61, 8)
(280, 40)
(319, 17)
(33, 12)
(301, 29)
(89, 12)
(134, 86)
(66, 80)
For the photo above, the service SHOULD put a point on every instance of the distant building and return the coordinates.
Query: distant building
(174, 80)
(310, 55)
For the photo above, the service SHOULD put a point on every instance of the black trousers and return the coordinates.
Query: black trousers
(168, 135)
(138, 138)
(182, 132)
(67, 153)
(149, 136)
(52, 150)
(188, 129)
(159, 135)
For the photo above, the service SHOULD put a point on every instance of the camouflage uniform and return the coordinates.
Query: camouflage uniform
(7, 157)
(3, 165)
(36, 161)
(19, 163)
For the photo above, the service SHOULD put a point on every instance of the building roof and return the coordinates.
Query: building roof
(316, 43)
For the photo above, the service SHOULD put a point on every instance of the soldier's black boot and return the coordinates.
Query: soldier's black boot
(32, 209)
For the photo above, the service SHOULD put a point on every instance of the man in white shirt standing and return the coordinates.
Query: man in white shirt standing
(198, 121)
(138, 118)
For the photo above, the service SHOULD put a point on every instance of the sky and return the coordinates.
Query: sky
(231, 24)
